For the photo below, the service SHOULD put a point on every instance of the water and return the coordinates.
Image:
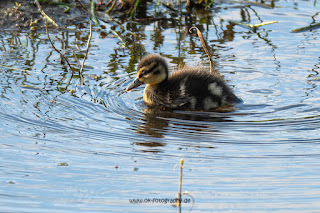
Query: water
(263, 157)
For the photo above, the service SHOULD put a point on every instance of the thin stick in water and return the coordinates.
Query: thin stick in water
(46, 17)
(83, 7)
(59, 53)
(87, 50)
(306, 28)
(203, 46)
(56, 48)
(178, 199)
(112, 6)
(251, 26)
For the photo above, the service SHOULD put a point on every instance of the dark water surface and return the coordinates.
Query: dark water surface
(263, 157)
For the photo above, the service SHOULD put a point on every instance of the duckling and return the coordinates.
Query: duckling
(185, 89)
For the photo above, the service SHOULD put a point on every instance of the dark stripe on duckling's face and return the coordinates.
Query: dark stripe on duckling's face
(147, 69)
(152, 73)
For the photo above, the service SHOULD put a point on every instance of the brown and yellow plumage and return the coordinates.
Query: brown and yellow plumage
(187, 88)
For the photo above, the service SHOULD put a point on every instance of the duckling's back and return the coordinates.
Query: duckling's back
(197, 88)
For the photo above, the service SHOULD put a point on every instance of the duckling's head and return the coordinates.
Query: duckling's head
(152, 70)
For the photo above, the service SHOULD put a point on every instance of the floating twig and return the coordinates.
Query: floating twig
(46, 17)
(203, 46)
(251, 26)
(310, 27)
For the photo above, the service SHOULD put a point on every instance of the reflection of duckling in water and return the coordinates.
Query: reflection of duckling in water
(188, 88)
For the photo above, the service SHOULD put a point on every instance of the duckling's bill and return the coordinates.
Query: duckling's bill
(134, 84)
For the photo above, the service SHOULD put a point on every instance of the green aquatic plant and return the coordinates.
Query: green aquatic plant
(93, 15)
(306, 28)
(134, 8)
(251, 26)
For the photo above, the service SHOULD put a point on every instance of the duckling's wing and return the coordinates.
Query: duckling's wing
(232, 98)
(180, 102)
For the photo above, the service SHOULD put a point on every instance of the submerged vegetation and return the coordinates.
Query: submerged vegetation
(126, 20)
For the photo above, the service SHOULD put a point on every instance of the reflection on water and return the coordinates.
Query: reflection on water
(261, 157)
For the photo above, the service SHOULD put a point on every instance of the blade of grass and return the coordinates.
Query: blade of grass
(135, 8)
(87, 50)
(251, 26)
(123, 44)
(44, 14)
(306, 28)
(93, 15)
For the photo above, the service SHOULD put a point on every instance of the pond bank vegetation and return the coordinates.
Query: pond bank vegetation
(126, 20)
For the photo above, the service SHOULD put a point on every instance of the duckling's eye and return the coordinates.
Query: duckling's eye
(143, 72)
